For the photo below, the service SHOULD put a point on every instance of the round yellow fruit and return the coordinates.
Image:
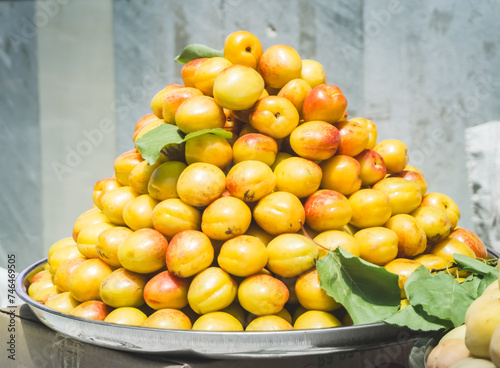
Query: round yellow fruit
(173, 215)
(255, 147)
(170, 319)
(88, 237)
(128, 316)
(200, 184)
(370, 207)
(60, 278)
(482, 318)
(123, 288)
(313, 73)
(269, 323)
(62, 255)
(262, 294)
(138, 213)
(228, 91)
(298, 176)
(243, 48)
(85, 280)
(200, 112)
(60, 244)
(206, 73)
(279, 64)
(311, 296)
(243, 256)
(250, 180)
(143, 251)
(114, 202)
(296, 92)
(188, 253)
(226, 218)
(448, 354)
(279, 212)
(327, 210)
(291, 254)
(412, 240)
(141, 174)
(405, 195)
(316, 319)
(43, 282)
(211, 290)
(332, 239)
(448, 247)
(108, 243)
(377, 245)
(394, 153)
(209, 148)
(217, 321)
(163, 182)
(63, 303)
(274, 116)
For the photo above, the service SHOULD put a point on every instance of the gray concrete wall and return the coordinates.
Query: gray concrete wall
(85, 72)
(432, 69)
(77, 122)
(21, 222)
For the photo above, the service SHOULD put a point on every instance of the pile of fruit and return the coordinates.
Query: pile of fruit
(241, 180)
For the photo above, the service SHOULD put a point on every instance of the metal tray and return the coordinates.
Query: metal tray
(219, 345)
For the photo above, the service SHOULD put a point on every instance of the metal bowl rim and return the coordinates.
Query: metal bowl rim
(21, 278)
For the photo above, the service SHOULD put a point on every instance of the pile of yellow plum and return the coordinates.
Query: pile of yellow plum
(223, 231)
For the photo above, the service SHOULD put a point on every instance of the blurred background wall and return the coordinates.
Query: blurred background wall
(76, 75)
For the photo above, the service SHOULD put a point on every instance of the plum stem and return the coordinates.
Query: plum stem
(490, 262)
(311, 239)
(434, 270)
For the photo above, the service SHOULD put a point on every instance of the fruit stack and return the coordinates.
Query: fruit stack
(241, 179)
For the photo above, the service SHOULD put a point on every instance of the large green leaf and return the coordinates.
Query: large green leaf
(488, 273)
(473, 285)
(473, 265)
(439, 295)
(197, 51)
(416, 319)
(369, 293)
(151, 144)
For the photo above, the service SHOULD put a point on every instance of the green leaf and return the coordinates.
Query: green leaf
(488, 273)
(473, 285)
(483, 285)
(369, 293)
(474, 265)
(151, 143)
(416, 319)
(217, 131)
(440, 295)
(439, 299)
(419, 274)
(197, 51)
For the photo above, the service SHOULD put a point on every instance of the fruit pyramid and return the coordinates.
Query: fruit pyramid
(241, 179)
